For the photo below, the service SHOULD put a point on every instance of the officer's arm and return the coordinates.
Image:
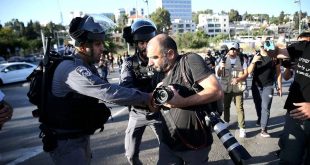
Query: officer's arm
(84, 82)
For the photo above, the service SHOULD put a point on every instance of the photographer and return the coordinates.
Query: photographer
(295, 140)
(233, 73)
(186, 137)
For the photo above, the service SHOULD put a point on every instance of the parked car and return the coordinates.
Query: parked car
(30, 58)
(16, 59)
(15, 72)
(2, 60)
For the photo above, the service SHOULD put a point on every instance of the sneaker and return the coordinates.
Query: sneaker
(264, 134)
(242, 133)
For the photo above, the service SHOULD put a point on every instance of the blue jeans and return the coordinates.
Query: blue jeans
(104, 73)
(262, 97)
(295, 142)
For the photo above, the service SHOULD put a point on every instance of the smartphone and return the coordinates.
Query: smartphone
(269, 45)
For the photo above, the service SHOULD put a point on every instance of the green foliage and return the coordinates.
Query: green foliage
(234, 15)
(121, 22)
(191, 40)
(195, 15)
(161, 18)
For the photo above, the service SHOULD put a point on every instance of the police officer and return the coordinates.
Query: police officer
(136, 74)
(72, 112)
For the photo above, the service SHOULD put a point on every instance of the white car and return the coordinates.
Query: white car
(15, 72)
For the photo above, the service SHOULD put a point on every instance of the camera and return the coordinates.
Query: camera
(287, 63)
(236, 151)
(162, 94)
(269, 45)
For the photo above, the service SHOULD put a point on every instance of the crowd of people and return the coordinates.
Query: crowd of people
(193, 82)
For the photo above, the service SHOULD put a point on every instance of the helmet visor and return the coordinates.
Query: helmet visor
(98, 24)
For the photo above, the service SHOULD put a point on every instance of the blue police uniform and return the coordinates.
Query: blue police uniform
(75, 76)
(136, 74)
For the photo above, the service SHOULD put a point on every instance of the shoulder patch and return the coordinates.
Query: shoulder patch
(82, 70)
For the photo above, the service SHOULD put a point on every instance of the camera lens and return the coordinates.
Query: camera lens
(162, 95)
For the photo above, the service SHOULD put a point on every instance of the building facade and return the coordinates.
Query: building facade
(182, 26)
(213, 24)
(178, 9)
(180, 14)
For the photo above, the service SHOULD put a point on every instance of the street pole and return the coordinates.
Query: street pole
(147, 5)
(299, 15)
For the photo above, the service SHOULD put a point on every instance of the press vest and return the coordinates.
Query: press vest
(232, 72)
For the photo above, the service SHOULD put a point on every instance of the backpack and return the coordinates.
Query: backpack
(41, 78)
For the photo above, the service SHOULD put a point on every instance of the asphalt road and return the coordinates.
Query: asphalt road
(20, 143)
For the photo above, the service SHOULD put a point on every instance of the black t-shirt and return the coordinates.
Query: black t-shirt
(185, 119)
(300, 88)
(265, 71)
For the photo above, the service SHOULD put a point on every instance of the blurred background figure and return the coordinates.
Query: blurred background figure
(6, 110)
(103, 65)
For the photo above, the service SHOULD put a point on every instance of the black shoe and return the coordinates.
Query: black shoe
(257, 123)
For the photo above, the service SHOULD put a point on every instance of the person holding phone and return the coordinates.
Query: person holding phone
(266, 72)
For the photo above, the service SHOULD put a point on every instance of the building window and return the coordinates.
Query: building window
(217, 25)
(217, 30)
(210, 25)
(211, 30)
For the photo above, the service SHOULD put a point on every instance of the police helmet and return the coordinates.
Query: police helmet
(86, 29)
(143, 30)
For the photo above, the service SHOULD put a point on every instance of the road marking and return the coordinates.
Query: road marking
(118, 113)
(21, 155)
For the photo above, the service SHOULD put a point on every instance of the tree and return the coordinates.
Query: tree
(121, 22)
(274, 20)
(195, 15)
(191, 40)
(17, 26)
(234, 15)
(281, 17)
(161, 18)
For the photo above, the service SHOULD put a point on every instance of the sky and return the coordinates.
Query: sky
(45, 11)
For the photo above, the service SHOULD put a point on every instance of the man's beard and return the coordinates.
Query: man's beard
(164, 67)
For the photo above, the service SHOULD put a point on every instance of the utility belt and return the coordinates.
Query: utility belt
(50, 136)
(71, 135)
